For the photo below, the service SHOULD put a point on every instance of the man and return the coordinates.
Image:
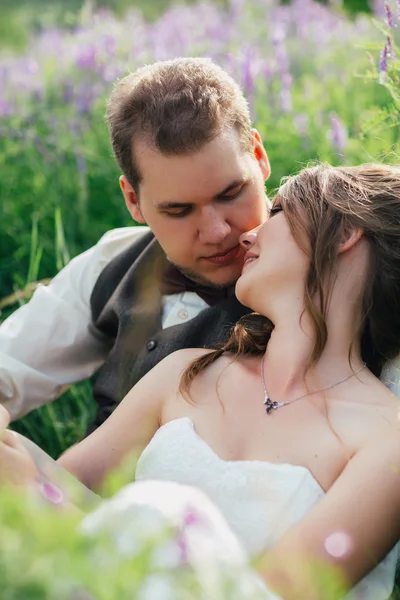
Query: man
(194, 172)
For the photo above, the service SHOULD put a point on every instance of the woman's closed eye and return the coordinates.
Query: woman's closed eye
(275, 209)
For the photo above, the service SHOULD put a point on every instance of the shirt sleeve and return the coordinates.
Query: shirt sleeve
(47, 345)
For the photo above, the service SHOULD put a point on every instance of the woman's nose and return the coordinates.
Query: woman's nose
(247, 239)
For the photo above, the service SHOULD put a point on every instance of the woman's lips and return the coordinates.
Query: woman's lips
(224, 258)
(249, 257)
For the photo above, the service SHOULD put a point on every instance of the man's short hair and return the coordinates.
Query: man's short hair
(177, 106)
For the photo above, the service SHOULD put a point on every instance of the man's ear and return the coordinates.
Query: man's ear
(350, 238)
(131, 200)
(260, 154)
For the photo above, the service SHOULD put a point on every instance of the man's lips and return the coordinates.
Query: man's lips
(224, 257)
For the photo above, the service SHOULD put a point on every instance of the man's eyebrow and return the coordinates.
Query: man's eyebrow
(171, 204)
(166, 205)
(229, 188)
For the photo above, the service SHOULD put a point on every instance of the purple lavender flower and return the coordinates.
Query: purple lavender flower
(86, 58)
(51, 492)
(247, 72)
(338, 134)
(183, 550)
(389, 16)
(5, 109)
(377, 8)
(85, 96)
(383, 60)
(192, 517)
(390, 48)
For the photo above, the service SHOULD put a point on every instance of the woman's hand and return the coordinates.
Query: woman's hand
(4, 418)
(16, 464)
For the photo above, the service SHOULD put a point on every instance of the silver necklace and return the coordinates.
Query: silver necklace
(270, 405)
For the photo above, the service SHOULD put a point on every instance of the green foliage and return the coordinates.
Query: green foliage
(57, 426)
(44, 555)
(387, 73)
(63, 176)
(52, 554)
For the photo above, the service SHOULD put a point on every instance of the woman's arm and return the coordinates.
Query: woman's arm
(362, 506)
(16, 465)
(130, 427)
(25, 466)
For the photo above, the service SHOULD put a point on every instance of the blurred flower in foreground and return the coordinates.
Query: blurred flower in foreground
(338, 544)
(157, 587)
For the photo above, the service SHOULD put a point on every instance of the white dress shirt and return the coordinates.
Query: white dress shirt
(46, 345)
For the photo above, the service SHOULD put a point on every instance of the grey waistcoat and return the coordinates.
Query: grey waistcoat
(126, 311)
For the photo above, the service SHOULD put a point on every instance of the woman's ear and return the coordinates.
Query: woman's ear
(350, 238)
(131, 200)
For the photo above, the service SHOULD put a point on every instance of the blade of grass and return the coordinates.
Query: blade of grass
(62, 252)
(35, 252)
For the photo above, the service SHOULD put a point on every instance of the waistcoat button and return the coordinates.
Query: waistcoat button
(151, 344)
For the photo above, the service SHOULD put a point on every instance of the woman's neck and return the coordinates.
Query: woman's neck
(289, 351)
(287, 359)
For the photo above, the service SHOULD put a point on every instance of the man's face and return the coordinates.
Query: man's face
(199, 204)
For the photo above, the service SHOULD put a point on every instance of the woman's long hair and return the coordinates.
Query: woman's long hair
(320, 204)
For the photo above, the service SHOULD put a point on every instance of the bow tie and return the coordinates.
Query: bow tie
(173, 281)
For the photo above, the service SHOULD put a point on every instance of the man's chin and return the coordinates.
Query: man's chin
(222, 281)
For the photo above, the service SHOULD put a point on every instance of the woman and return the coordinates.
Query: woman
(288, 428)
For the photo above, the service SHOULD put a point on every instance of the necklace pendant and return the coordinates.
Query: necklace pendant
(270, 406)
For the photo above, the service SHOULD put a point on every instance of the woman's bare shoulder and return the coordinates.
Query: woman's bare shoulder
(180, 359)
(374, 412)
(188, 354)
(382, 406)
(175, 364)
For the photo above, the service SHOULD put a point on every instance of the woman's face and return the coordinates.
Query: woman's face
(275, 266)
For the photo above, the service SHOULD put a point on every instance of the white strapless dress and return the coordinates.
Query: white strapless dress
(259, 500)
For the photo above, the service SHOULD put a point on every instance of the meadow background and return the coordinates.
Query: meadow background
(322, 82)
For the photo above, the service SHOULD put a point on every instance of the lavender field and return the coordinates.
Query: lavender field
(320, 86)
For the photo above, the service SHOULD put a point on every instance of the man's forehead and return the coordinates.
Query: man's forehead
(182, 177)
(225, 147)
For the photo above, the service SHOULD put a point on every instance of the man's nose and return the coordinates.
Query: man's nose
(247, 239)
(214, 228)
